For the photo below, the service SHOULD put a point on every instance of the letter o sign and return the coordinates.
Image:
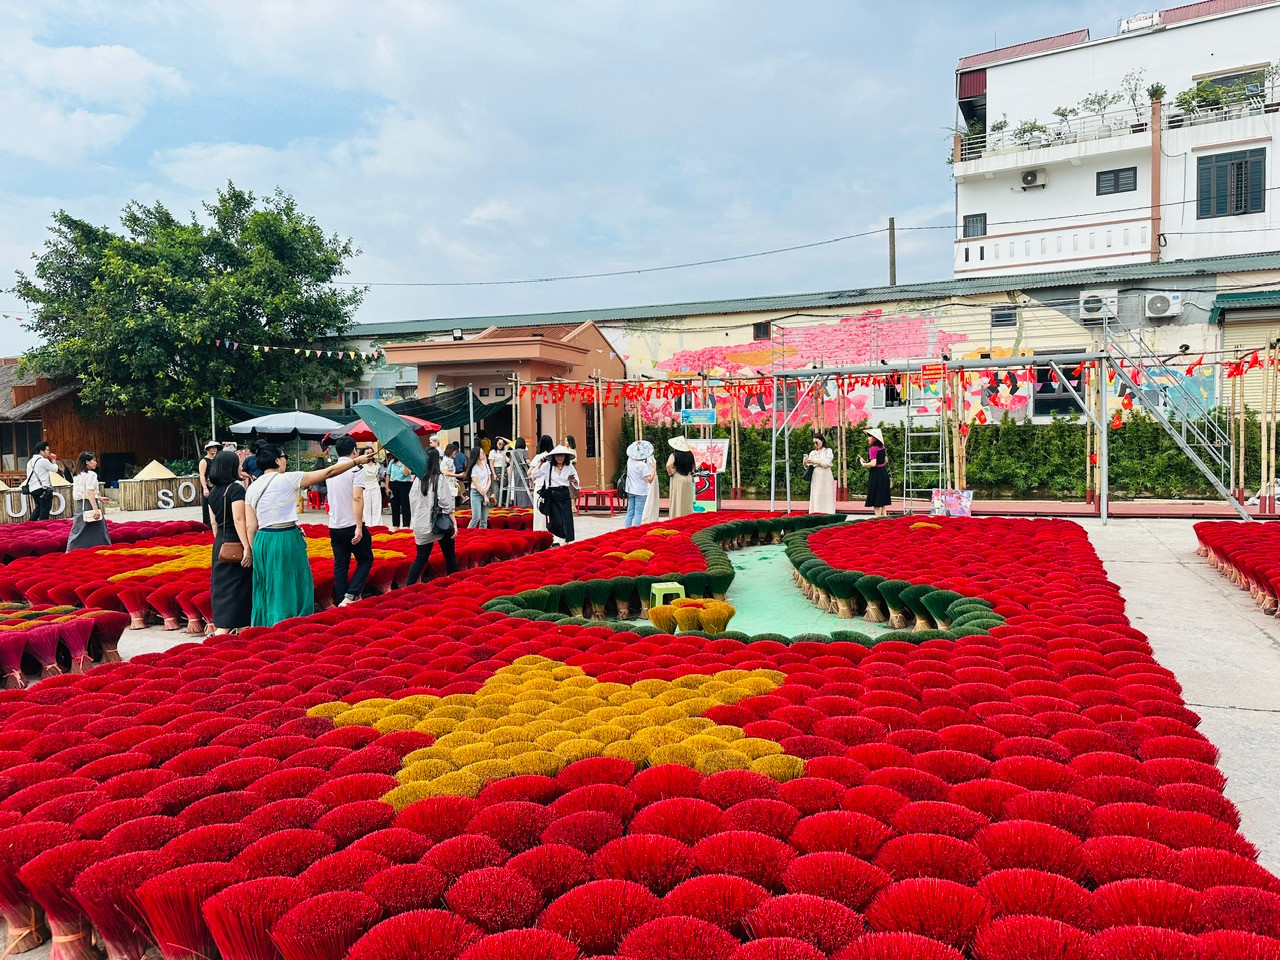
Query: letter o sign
(187, 491)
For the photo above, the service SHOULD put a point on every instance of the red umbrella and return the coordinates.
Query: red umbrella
(360, 432)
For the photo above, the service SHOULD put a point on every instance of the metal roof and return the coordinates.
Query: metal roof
(1023, 49)
(1252, 300)
(935, 290)
(1208, 8)
(1172, 15)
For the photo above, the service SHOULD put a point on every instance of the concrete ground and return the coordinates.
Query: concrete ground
(1223, 650)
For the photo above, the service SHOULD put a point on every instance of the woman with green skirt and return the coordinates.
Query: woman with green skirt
(282, 584)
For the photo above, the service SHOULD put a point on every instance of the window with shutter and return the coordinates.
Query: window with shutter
(1231, 184)
(1124, 180)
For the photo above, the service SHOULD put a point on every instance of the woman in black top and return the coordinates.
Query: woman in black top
(230, 584)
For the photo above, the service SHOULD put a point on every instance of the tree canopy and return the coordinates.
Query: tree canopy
(135, 317)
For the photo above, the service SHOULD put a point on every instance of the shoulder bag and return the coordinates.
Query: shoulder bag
(26, 484)
(230, 552)
(234, 552)
(441, 522)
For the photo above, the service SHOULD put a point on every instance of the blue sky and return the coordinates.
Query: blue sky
(493, 140)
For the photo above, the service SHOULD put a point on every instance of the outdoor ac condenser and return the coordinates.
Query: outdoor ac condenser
(1163, 306)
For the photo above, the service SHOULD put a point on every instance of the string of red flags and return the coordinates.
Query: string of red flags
(311, 352)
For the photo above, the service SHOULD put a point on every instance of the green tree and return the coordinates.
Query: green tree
(134, 317)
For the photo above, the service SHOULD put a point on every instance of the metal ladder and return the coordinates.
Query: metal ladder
(925, 466)
(1202, 439)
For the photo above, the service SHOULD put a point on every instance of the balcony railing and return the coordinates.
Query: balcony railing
(1035, 135)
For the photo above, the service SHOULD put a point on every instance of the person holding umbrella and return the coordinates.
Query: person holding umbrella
(559, 482)
(431, 506)
(282, 583)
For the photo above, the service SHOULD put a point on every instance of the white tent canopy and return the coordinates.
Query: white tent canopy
(293, 423)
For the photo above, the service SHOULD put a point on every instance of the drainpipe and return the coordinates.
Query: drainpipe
(1157, 157)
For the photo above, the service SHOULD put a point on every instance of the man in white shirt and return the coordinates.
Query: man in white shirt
(346, 528)
(40, 471)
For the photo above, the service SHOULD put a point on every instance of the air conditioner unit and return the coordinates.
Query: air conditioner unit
(1098, 305)
(1163, 306)
(1034, 178)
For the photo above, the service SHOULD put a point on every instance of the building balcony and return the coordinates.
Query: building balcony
(1111, 241)
(1045, 143)
(1070, 141)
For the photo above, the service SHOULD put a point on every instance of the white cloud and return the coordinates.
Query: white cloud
(62, 104)
(492, 212)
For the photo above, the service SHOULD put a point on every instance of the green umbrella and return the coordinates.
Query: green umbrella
(395, 435)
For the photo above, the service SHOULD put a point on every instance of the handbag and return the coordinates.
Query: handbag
(622, 485)
(231, 552)
(808, 474)
(441, 522)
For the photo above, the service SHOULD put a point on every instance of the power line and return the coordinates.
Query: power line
(613, 273)
(637, 271)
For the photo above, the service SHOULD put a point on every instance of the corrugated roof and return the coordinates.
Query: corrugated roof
(1252, 300)
(934, 290)
(24, 411)
(1208, 8)
(1023, 49)
(558, 332)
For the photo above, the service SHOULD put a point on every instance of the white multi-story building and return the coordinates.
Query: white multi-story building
(1154, 144)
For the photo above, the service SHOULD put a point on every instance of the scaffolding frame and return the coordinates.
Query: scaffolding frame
(1113, 361)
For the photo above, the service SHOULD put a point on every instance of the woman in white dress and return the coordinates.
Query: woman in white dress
(372, 492)
(89, 528)
(822, 485)
(545, 446)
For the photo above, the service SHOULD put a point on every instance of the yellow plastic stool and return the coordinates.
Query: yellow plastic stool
(661, 592)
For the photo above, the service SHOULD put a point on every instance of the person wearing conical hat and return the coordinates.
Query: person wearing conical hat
(877, 464)
(641, 470)
(680, 469)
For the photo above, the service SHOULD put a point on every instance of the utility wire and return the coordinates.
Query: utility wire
(637, 271)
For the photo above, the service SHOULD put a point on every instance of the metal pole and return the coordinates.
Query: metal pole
(471, 412)
(1104, 444)
(773, 463)
(213, 423)
(893, 254)
(786, 445)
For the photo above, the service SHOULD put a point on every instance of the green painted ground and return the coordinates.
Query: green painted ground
(768, 601)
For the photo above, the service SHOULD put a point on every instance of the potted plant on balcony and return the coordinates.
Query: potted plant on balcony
(1131, 85)
(1029, 134)
(1271, 78)
(1065, 132)
(995, 133)
(1098, 104)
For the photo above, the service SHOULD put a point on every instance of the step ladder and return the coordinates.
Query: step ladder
(925, 464)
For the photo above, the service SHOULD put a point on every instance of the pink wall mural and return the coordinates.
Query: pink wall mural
(866, 338)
